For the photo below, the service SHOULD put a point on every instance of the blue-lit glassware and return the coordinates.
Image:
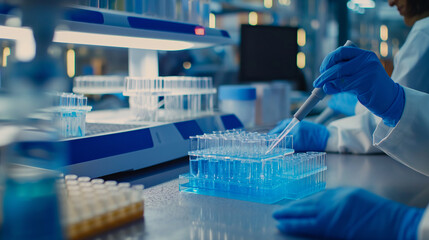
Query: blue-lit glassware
(233, 164)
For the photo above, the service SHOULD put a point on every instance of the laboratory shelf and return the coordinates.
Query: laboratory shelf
(241, 6)
(116, 23)
(116, 143)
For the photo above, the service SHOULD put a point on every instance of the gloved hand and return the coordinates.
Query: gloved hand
(349, 213)
(350, 69)
(344, 103)
(307, 136)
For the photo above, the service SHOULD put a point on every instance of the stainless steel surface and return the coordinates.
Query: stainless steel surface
(170, 214)
(379, 174)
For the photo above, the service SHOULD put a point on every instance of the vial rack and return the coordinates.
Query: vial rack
(95, 206)
(169, 98)
(70, 114)
(233, 164)
(98, 84)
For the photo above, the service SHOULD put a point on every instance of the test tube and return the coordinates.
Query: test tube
(94, 3)
(110, 183)
(256, 171)
(170, 9)
(193, 145)
(130, 5)
(245, 174)
(203, 161)
(195, 11)
(267, 170)
(150, 8)
(84, 184)
(184, 11)
(193, 165)
(104, 4)
(83, 179)
(161, 9)
(213, 166)
(84, 2)
(138, 6)
(120, 5)
(124, 185)
(112, 4)
(98, 187)
(70, 177)
(205, 12)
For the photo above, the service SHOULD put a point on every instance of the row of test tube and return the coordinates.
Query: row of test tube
(250, 171)
(169, 85)
(70, 114)
(98, 84)
(192, 11)
(71, 102)
(239, 144)
(268, 192)
(300, 165)
(169, 98)
(93, 206)
(234, 161)
(293, 176)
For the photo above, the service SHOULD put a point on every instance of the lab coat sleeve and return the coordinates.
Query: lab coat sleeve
(353, 134)
(408, 141)
(423, 229)
(411, 61)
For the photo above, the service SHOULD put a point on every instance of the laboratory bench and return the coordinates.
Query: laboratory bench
(170, 214)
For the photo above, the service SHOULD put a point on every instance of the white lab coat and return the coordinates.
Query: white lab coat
(408, 141)
(354, 134)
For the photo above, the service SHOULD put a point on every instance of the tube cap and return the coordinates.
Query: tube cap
(237, 92)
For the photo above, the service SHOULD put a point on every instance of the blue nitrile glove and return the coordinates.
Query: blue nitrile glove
(349, 213)
(344, 103)
(350, 69)
(307, 136)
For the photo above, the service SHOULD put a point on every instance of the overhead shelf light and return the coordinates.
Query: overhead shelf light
(384, 49)
(285, 2)
(25, 47)
(301, 37)
(253, 18)
(268, 3)
(6, 53)
(384, 32)
(364, 3)
(113, 29)
(120, 41)
(359, 6)
(25, 36)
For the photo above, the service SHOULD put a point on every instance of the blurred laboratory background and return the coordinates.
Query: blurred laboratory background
(98, 92)
(310, 29)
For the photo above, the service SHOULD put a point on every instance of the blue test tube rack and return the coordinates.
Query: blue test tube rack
(233, 164)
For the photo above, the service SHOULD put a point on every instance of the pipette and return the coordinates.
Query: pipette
(316, 95)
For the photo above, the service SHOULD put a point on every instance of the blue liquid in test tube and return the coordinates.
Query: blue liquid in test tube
(94, 3)
(129, 5)
(138, 6)
(193, 166)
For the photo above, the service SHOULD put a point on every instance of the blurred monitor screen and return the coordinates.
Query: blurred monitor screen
(269, 53)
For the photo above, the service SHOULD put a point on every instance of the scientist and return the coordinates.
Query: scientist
(354, 134)
(350, 213)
